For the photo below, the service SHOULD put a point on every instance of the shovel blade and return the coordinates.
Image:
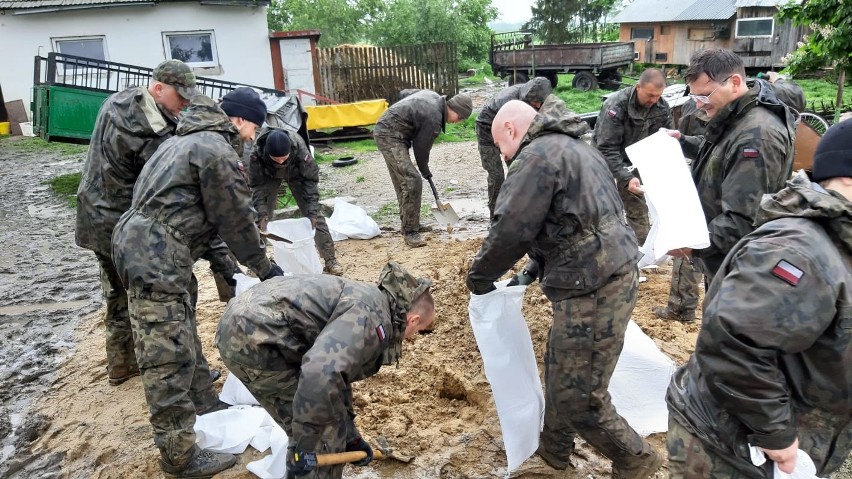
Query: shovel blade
(445, 215)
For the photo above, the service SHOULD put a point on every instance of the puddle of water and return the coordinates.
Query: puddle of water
(466, 207)
(20, 309)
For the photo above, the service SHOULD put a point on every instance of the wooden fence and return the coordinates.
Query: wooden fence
(351, 73)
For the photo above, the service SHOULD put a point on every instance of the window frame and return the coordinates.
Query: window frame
(214, 52)
(771, 31)
(57, 40)
(634, 37)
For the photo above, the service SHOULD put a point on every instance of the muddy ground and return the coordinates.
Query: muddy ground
(60, 418)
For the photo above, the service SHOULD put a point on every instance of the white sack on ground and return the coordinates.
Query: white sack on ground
(350, 221)
(507, 353)
(272, 466)
(244, 282)
(235, 393)
(678, 220)
(230, 430)
(805, 467)
(300, 256)
(638, 385)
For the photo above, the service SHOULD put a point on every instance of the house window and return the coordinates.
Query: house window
(755, 27)
(89, 47)
(641, 33)
(196, 49)
(661, 57)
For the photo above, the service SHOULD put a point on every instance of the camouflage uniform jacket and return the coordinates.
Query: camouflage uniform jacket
(265, 175)
(560, 205)
(536, 89)
(416, 120)
(129, 128)
(746, 152)
(335, 330)
(773, 360)
(192, 189)
(622, 123)
(790, 93)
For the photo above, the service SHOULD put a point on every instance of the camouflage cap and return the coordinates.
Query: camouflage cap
(177, 74)
(402, 287)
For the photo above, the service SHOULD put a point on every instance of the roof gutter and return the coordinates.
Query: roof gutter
(31, 11)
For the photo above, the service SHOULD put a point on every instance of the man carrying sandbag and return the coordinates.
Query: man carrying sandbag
(188, 192)
(281, 155)
(771, 367)
(533, 93)
(298, 343)
(560, 206)
(415, 122)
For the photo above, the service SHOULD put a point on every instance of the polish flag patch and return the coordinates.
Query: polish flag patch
(612, 113)
(380, 331)
(751, 152)
(788, 273)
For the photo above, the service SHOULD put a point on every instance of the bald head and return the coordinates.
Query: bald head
(510, 125)
(650, 88)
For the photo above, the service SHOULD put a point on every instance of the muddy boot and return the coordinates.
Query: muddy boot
(557, 461)
(207, 409)
(414, 239)
(204, 464)
(119, 374)
(333, 267)
(214, 375)
(664, 312)
(639, 467)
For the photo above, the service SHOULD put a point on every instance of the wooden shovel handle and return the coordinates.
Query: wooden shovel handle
(334, 458)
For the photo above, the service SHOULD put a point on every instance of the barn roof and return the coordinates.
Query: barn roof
(653, 11)
(35, 6)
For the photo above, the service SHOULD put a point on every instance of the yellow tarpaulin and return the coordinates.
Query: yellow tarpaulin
(345, 114)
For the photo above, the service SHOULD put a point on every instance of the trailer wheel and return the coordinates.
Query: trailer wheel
(553, 77)
(584, 81)
(518, 77)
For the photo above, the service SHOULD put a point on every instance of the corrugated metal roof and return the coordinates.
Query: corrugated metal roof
(759, 3)
(708, 10)
(21, 4)
(653, 11)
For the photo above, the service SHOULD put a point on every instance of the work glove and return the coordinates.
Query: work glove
(274, 271)
(523, 278)
(359, 444)
(300, 463)
(486, 290)
(427, 175)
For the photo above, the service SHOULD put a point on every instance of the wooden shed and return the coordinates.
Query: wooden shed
(667, 33)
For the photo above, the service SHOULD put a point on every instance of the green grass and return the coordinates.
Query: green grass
(386, 212)
(821, 91)
(322, 158)
(358, 145)
(455, 132)
(65, 186)
(37, 145)
(360, 179)
(576, 100)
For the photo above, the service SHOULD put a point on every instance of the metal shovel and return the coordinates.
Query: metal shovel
(444, 212)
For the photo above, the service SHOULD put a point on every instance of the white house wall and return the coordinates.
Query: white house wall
(134, 36)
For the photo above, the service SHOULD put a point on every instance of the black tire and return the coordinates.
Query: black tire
(345, 161)
(584, 81)
(518, 77)
(553, 77)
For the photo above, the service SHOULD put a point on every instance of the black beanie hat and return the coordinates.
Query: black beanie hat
(833, 156)
(278, 144)
(245, 103)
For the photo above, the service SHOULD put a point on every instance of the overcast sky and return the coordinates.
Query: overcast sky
(513, 11)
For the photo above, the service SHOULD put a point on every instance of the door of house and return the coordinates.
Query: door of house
(298, 67)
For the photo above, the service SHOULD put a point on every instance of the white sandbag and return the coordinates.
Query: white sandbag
(273, 466)
(350, 221)
(639, 383)
(244, 282)
(230, 430)
(805, 467)
(678, 220)
(300, 256)
(507, 353)
(235, 393)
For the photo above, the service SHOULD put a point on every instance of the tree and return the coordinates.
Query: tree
(340, 21)
(566, 21)
(830, 42)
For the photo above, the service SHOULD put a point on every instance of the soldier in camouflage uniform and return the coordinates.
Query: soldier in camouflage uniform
(626, 117)
(415, 122)
(560, 206)
(130, 126)
(187, 193)
(683, 292)
(298, 343)
(533, 93)
(280, 155)
(773, 362)
(746, 150)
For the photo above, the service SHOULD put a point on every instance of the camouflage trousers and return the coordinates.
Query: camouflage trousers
(583, 346)
(120, 356)
(636, 211)
(406, 181)
(691, 458)
(322, 238)
(492, 163)
(274, 390)
(683, 293)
